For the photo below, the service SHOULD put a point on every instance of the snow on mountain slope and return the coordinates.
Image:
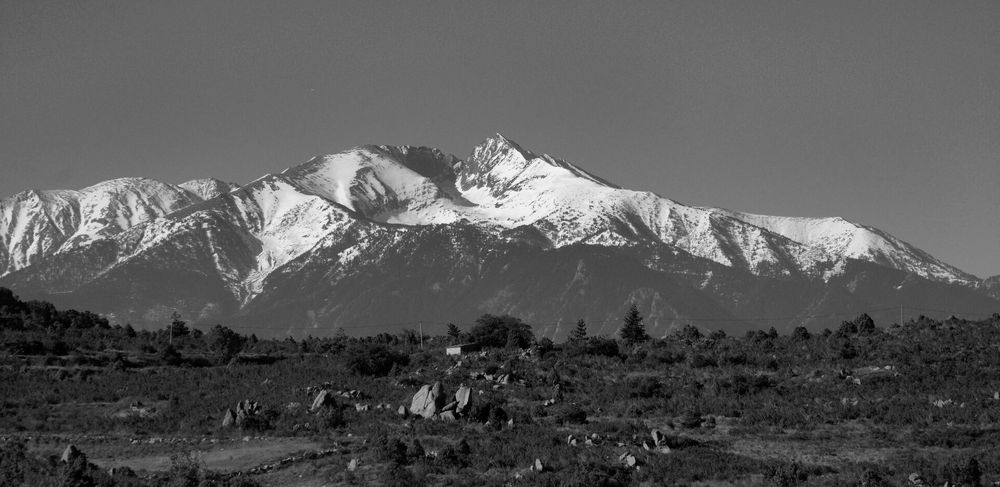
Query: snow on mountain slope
(247, 233)
(382, 182)
(836, 236)
(504, 186)
(511, 187)
(282, 219)
(35, 224)
(208, 188)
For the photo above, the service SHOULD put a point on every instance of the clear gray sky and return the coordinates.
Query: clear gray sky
(886, 113)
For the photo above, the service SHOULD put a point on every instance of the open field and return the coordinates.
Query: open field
(861, 405)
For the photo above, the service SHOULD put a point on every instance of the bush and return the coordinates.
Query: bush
(570, 414)
(373, 360)
(501, 331)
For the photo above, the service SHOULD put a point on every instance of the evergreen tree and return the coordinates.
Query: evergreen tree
(633, 331)
(580, 332)
(225, 342)
(178, 327)
(453, 333)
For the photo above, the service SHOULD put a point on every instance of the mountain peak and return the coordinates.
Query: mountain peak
(502, 165)
(208, 188)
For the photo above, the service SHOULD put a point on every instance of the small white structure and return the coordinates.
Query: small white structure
(461, 348)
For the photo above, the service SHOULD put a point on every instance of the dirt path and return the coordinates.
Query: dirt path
(230, 457)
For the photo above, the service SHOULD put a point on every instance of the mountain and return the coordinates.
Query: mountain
(992, 286)
(380, 237)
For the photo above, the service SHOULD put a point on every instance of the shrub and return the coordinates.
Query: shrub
(501, 331)
(570, 414)
(373, 360)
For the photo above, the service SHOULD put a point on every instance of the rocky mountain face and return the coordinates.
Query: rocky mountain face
(378, 238)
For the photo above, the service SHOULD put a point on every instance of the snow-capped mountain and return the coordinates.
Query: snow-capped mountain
(390, 234)
(208, 188)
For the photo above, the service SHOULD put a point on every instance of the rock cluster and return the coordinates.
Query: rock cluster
(246, 410)
(429, 402)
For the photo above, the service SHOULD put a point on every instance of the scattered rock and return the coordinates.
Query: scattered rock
(121, 471)
(451, 406)
(70, 453)
(943, 403)
(916, 479)
(427, 401)
(628, 459)
(571, 440)
(448, 416)
(538, 467)
(659, 438)
(403, 412)
(352, 465)
(229, 420)
(323, 399)
(245, 410)
(462, 396)
(362, 407)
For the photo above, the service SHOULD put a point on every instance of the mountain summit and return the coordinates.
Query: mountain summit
(386, 235)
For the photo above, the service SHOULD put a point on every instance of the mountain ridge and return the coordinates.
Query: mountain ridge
(243, 245)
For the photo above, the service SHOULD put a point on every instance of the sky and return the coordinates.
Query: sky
(885, 113)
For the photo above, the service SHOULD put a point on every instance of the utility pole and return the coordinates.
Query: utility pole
(421, 325)
(900, 315)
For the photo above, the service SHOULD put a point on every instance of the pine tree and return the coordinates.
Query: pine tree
(580, 332)
(453, 333)
(633, 331)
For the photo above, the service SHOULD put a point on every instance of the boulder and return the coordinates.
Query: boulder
(427, 401)
(462, 397)
(70, 453)
(352, 465)
(627, 459)
(451, 406)
(362, 407)
(916, 479)
(538, 467)
(229, 420)
(403, 412)
(659, 438)
(448, 416)
(325, 398)
(246, 408)
(571, 440)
